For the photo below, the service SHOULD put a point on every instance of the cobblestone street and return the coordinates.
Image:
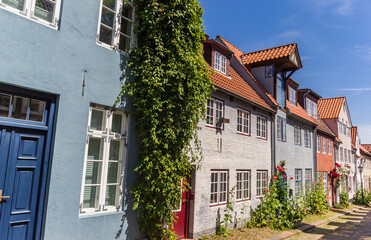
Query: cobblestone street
(356, 225)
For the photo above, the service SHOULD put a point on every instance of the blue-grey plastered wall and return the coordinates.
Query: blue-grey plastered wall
(37, 57)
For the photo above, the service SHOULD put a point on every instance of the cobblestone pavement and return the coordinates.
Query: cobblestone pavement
(356, 225)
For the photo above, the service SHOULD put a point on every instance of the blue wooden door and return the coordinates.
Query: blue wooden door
(21, 161)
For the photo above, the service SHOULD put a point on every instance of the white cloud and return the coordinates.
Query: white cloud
(363, 51)
(354, 89)
(288, 36)
(345, 7)
(340, 7)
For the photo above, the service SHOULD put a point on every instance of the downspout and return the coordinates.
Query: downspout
(315, 153)
(273, 144)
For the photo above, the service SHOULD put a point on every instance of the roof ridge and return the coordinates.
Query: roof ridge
(230, 43)
(333, 98)
(271, 48)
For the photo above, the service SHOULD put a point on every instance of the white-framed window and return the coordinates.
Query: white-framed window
(349, 156)
(308, 179)
(218, 185)
(341, 154)
(243, 185)
(298, 181)
(220, 63)
(243, 121)
(214, 113)
(318, 143)
(261, 182)
(319, 176)
(307, 138)
(115, 27)
(324, 177)
(261, 127)
(340, 126)
(45, 12)
(324, 145)
(281, 129)
(329, 146)
(311, 108)
(345, 155)
(292, 95)
(297, 135)
(103, 165)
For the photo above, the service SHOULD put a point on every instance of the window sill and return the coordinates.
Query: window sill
(99, 214)
(218, 205)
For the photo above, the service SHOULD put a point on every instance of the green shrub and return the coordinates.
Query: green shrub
(339, 206)
(316, 200)
(366, 197)
(277, 210)
(344, 198)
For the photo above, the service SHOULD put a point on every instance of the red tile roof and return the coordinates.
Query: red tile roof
(299, 112)
(237, 85)
(364, 150)
(367, 147)
(238, 53)
(322, 127)
(330, 107)
(353, 135)
(268, 54)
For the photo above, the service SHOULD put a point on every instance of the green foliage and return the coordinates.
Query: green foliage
(344, 198)
(316, 200)
(277, 210)
(338, 206)
(169, 93)
(366, 200)
(228, 214)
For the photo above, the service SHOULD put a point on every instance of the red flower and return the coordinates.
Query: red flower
(284, 176)
(291, 178)
(337, 165)
(266, 191)
(275, 178)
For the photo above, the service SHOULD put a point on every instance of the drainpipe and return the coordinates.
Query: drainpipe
(273, 143)
(315, 153)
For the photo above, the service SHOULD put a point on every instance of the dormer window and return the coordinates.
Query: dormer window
(220, 63)
(292, 95)
(311, 108)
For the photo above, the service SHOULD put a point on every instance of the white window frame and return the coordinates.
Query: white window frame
(324, 180)
(307, 138)
(298, 181)
(318, 143)
(329, 142)
(308, 178)
(341, 154)
(243, 121)
(324, 145)
(292, 95)
(107, 136)
(261, 182)
(213, 113)
(297, 135)
(220, 63)
(281, 129)
(116, 26)
(219, 193)
(311, 108)
(29, 12)
(261, 127)
(243, 185)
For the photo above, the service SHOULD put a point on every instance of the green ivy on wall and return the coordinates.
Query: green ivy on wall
(170, 87)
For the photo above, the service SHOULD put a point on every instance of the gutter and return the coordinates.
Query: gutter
(273, 144)
(305, 102)
(315, 152)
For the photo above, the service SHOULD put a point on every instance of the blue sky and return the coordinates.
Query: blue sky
(333, 36)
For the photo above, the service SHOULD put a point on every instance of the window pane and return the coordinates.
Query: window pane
(18, 4)
(126, 26)
(91, 197)
(112, 195)
(37, 109)
(96, 122)
(114, 151)
(95, 149)
(116, 123)
(105, 35)
(108, 17)
(114, 172)
(4, 105)
(93, 172)
(124, 43)
(110, 4)
(127, 11)
(20, 107)
(45, 10)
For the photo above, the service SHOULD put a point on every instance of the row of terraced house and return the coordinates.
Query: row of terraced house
(67, 156)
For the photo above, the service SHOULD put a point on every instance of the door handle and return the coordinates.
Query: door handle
(1, 196)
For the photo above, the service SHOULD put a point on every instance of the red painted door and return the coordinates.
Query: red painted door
(180, 225)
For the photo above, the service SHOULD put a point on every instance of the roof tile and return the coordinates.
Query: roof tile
(268, 54)
(322, 127)
(299, 111)
(330, 107)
